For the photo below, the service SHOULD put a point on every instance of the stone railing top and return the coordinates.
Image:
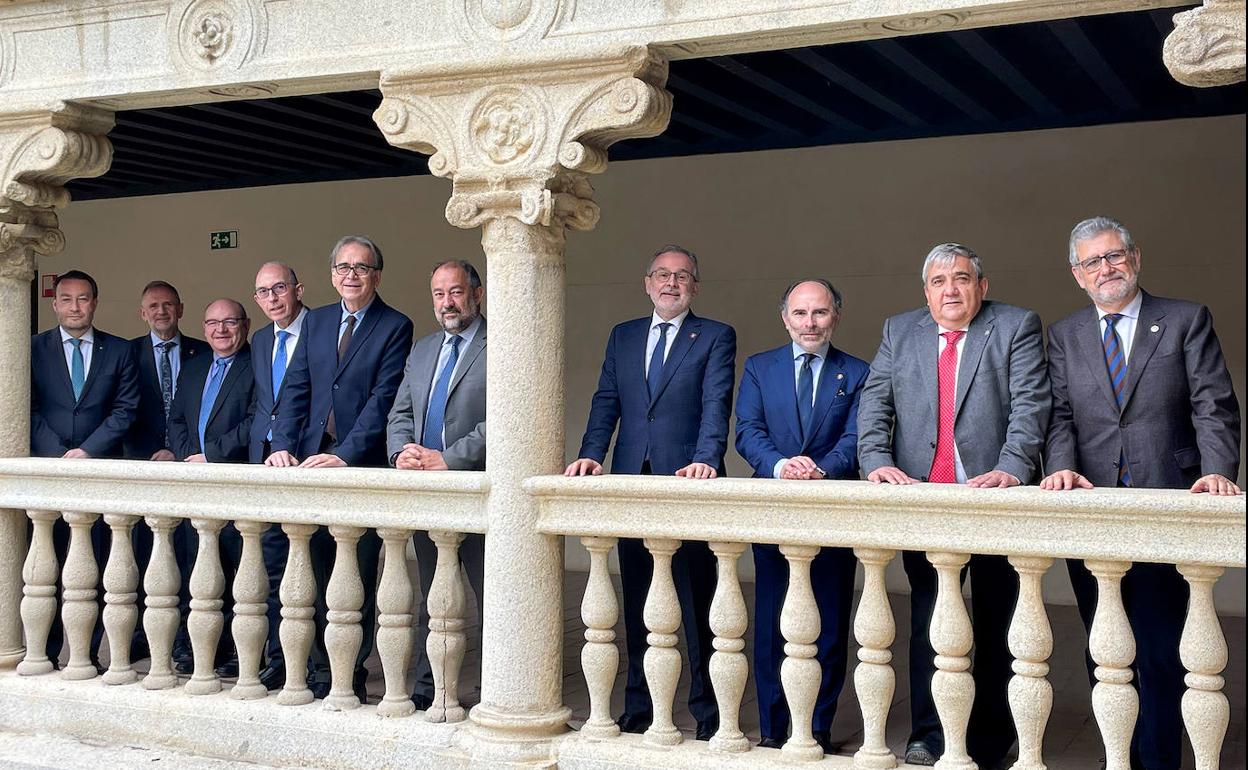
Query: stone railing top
(1172, 526)
(363, 497)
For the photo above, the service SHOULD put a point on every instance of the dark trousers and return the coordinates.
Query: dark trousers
(832, 575)
(60, 544)
(693, 568)
(186, 551)
(472, 556)
(276, 548)
(323, 549)
(1155, 598)
(994, 592)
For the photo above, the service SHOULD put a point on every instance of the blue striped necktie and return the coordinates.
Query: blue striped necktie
(1116, 365)
(655, 373)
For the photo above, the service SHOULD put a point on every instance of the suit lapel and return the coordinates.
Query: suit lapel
(262, 344)
(633, 348)
(147, 364)
(782, 380)
(685, 338)
(470, 355)
(56, 351)
(1088, 343)
(830, 379)
(231, 381)
(1144, 344)
(977, 336)
(99, 353)
(926, 350)
(360, 334)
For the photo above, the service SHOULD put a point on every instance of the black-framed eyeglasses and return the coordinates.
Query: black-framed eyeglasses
(279, 289)
(683, 277)
(1115, 258)
(228, 323)
(359, 268)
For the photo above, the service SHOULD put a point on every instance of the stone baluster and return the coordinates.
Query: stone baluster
(394, 620)
(121, 592)
(38, 607)
(662, 661)
(729, 668)
(205, 623)
(297, 592)
(161, 616)
(251, 623)
(1202, 649)
(800, 672)
(874, 680)
(446, 641)
(1112, 646)
(79, 610)
(1031, 643)
(953, 689)
(344, 596)
(600, 659)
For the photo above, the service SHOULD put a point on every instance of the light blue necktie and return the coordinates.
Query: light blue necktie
(78, 371)
(432, 438)
(279, 363)
(210, 395)
(656, 361)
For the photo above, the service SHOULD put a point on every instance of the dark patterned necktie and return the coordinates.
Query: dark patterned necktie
(166, 383)
(1116, 365)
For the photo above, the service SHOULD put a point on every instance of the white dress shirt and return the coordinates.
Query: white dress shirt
(293, 331)
(959, 471)
(444, 354)
(359, 317)
(87, 346)
(653, 340)
(1125, 326)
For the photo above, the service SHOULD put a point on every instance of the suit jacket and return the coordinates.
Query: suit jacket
(1002, 403)
(767, 420)
(360, 388)
(687, 421)
(1180, 418)
(464, 423)
(266, 407)
(147, 434)
(98, 421)
(229, 422)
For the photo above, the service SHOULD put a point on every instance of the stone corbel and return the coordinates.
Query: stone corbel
(1206, 47)
(39, 153)
(519, 138)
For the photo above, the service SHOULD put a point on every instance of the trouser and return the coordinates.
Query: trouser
(186, 551)
(472, 556)
(324, 550)
(60, 544)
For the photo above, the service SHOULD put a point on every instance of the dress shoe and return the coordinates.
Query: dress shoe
(184, 665)
(273, 677)
(633, 723)
(319, 689)
(771, 743)
(359, 684)
(228, 669)
(919, 753)
(139, 650)
(706, 730)
(824, 739)
(421, 702)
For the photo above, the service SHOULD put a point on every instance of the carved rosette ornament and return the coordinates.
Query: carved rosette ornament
(215, 34)
(1206, 47)
(39, 153)
(510, 20)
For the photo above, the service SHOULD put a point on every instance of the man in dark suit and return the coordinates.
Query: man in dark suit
(280, 296)
(338, 393)
(1141, 398)
(958, 393)
(438, 423)
(667, 383)
(797, 418)
(83, 398)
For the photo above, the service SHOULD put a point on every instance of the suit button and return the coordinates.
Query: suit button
(650, 417)
(335, 386)
(933, 445)
(272, 417)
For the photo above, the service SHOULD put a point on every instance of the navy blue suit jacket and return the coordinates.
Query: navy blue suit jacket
(361, 387)
(95, 423)
(767, 422)
(262, 342)
(147, 434)
(687, 421)
(229, 422)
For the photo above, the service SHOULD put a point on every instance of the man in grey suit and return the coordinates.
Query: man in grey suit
(958, 393)
(437, 423)
(1141, 398)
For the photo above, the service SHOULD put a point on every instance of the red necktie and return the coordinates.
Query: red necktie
(943, 471)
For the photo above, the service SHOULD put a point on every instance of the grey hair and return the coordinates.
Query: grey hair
(672, 248)
(474, 278)
(359, 240)
(1094, 226)
(837, 302)
(947, 253)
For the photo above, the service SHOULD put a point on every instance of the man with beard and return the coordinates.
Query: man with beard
(438, 423)
(1141, 398)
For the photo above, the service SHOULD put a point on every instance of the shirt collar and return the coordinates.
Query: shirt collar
(295, 326)
(941, 330)
(676, 322)
(156, 340)
(467, 335)
(88, 337)
(821, 353)
(227, 360)
(359, 314)
(1132, 310)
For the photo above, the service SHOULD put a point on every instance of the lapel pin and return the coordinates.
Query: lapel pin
(693, 335)
(840, 376)
(840, 393)
(1154, 328)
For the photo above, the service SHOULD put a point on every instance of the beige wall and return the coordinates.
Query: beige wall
(861, 215)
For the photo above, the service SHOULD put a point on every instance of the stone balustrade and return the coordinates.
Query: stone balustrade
(1108, 528)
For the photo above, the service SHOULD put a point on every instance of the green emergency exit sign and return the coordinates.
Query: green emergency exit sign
(225, 239)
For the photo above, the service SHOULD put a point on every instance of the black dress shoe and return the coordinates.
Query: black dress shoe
(919, 753)
(139, 650)
(824, 739)
(359, 684)
(421, 702)
(771, 743)
(228, 669)
(319, 689)
(706, 730)
(273, 677)
(184, 665)
(633, 723)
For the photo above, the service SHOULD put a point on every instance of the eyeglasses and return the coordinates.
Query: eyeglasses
(213, 324)
(683, 277)
(276, 290)
(1114, 258)
(359, 268)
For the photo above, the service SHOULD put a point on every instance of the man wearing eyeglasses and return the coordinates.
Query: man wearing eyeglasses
(667, 383)
(1141, 398)
(339, 389)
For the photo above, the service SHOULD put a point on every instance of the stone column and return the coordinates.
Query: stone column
(1207, 46)
(517, 137)
(39, 152)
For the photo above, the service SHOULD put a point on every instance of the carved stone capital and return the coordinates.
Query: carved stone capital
(1206, 47)
(39, 153)
(518, 141)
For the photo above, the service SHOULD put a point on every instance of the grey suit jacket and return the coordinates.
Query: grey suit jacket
(1180, 418)
(464, 424)
(1002, 404)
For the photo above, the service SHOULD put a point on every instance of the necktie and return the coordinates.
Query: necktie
(805, 394)
(943, 469)
(1116, 365)
(279, 362)
(344, 342)
(166, 382)
(78, 370)
(434, 421)
(210, 396)
(656, 361)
